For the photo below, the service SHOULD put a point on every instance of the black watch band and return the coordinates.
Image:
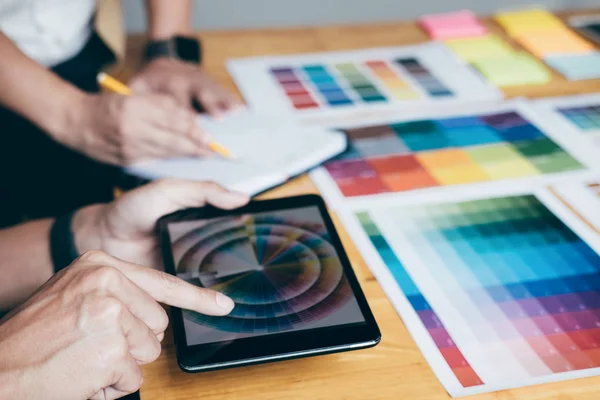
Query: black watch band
(178, 47)
(62, 242)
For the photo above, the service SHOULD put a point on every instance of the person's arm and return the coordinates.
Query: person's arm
(36, 93)
(185, 82)
(168, 18)
(123, 228)
(108, 127)
(24, 261)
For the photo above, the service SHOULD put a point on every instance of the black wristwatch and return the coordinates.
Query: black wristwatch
(182, 48)
(62, 242)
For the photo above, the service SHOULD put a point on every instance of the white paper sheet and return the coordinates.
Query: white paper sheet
(268, 151)
(473, 333)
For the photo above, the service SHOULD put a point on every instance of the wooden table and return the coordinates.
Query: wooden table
(395, 369)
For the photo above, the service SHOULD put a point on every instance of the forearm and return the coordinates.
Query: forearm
(168, 18)
(35, 92)
(25, 262)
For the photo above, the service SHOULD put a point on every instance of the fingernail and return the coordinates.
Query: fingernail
(225, 302)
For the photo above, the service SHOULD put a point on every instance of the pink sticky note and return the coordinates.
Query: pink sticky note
(452, 25)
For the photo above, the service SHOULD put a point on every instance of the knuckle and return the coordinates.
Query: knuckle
(105, 277)
(155, 351)
(108, 308)
(100, 314)
(114, 352)
(94, 256)
(168, 280)
(163, 321)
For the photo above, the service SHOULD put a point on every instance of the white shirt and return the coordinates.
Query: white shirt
(48, 31)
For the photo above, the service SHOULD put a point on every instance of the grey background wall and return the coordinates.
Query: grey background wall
(238, 14)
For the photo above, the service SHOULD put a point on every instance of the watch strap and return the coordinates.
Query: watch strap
(62, 242)
(160, 48)
(179, 47)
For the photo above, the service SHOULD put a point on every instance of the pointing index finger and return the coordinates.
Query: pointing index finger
(169, 289)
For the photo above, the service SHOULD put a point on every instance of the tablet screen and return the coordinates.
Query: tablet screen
(279, 267)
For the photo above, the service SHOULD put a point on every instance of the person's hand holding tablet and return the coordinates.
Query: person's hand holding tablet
(87, 331)
(125, 228)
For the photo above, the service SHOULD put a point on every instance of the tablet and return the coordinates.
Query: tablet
(283, 264)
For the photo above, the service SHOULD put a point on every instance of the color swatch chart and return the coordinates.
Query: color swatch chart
(343, 82)
(586, 118)
(576, 116)
(462, 149)
(454, 358)
(507, 291)
(547, 37)
(314, 86)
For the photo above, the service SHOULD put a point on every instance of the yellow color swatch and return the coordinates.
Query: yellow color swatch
(395, 83)
(444, 158)
(515, 168)
(386, 73)
(404, 94)
(545, 43)
(458, 175)
(518, 69)
(477, 48)
(519, 22)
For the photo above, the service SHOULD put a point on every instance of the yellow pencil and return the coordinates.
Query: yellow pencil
(109, 83)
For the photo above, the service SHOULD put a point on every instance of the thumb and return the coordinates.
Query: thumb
(185, 194)
(139, 209)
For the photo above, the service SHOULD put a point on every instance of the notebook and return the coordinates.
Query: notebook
(268, 152)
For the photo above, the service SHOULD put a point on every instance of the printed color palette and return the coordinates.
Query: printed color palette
(453, 356)
(314, 86)
(527, 287)
(428, 153)
(586, 118)
(547, 37)
(344, 84)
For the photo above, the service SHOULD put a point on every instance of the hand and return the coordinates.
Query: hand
(86, 332)
(125, 227)
(185, 82)
(122, 130)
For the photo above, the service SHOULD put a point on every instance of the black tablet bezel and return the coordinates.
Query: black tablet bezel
(277, 346)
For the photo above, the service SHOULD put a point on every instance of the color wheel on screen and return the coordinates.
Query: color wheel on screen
(281, 273)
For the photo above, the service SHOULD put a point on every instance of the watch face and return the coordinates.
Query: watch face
(188, 49)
